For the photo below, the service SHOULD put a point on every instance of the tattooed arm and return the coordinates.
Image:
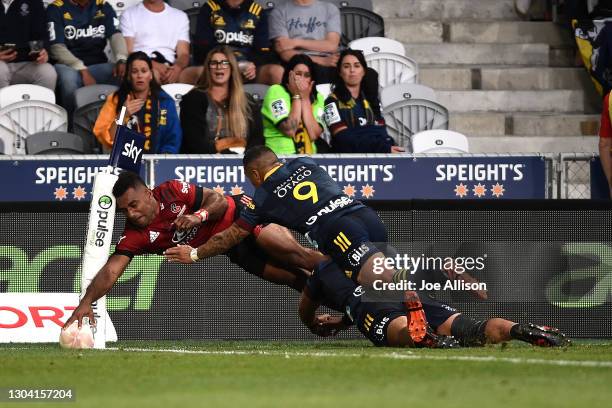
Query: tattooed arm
(218, 244)
(290, 125)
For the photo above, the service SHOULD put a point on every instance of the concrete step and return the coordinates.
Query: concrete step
(509, 32)
(479, 54)
(533, 144)
(414, 31)
(534, 78)
(513, 124)
(503, 78)
(555, 125)
(455, 78)
(562, 100)
(446, 10)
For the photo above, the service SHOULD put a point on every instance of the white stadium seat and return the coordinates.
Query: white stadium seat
(411, 116)
(25, 92)
(324, 89)
(176, 91)
(393, 69)
(186, 4)
(21, 119)
(440, 141)
(121, 5)
(372, 45)
(257, 91)
(399, 92)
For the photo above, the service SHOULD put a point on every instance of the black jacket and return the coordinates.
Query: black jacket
(25, 21)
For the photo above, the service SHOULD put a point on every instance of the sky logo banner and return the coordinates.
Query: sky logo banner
(127, 150)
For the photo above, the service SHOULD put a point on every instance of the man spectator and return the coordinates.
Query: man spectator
(162, 32)
(243, 25)
(78, 32)
(310, 27)
(23, 58)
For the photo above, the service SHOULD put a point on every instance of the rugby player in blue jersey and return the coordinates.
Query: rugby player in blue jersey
(301, 196)
(384, 323)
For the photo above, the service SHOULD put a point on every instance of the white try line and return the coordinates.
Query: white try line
(407, 355)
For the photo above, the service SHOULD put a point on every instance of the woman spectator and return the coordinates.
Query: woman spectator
(150, 110)
(217, 116)
(352, 111)
(293, 111)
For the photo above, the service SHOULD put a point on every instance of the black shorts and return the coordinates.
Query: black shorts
(265, 58)
(373, 318)
(353, 238)
(247, 254)
(436, 311)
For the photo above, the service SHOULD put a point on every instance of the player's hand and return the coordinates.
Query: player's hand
(326, 325)
(187, 222)
(180, 254)
(83, 310)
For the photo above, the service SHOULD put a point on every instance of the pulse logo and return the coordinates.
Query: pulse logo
(131, 151)
(104, 202)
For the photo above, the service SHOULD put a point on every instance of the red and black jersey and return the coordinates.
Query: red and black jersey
(175, 198)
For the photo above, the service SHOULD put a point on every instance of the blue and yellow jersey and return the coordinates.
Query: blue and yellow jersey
(298, 195)
(245, 29)
(83, 30)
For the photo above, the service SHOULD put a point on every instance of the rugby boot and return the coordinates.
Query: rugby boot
(543, 336)
(437, 341)
(417, 322)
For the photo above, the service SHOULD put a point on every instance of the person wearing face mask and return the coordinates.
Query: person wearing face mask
(352, 111)
(217, 115)
(293, 110)
(150, 110)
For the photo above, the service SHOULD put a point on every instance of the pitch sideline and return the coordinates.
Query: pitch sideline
(407, 355)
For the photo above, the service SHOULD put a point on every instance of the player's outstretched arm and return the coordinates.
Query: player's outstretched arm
(321, 325)
(217, 244)
(99, 286)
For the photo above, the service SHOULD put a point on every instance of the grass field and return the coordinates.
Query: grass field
(312, 374)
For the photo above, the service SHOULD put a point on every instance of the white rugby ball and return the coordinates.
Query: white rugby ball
(74, 338)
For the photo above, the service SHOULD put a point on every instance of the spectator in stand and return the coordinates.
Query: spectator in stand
(310, 27)
(293, 111)
(23, 58)
(162, 32)
(150, 110)
(605, 141)
(78, 31)
(217, 115)
(352, 111)
(243, 25)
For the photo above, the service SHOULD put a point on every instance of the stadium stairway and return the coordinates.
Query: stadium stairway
(510, 85)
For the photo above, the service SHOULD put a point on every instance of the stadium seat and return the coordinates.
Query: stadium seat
(360, 23)
(364, 4)
(121, 5)
(186, 4)
(372, 45)
(192, 14)
(89, 102)
(47, 2)
(93, 93)
(25, 92)
(54, 143)
(324, 89)
(439, 141)
(257, 91)
(393, 69)
(176, 91)
(267, 4)
(22, 119)
(399, 92)
(411, 116)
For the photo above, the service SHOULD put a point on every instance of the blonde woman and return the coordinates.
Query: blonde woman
(217, 116)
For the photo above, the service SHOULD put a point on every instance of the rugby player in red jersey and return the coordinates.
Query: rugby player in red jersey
(178, 213)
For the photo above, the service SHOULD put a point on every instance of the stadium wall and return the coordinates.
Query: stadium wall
(547, 262)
